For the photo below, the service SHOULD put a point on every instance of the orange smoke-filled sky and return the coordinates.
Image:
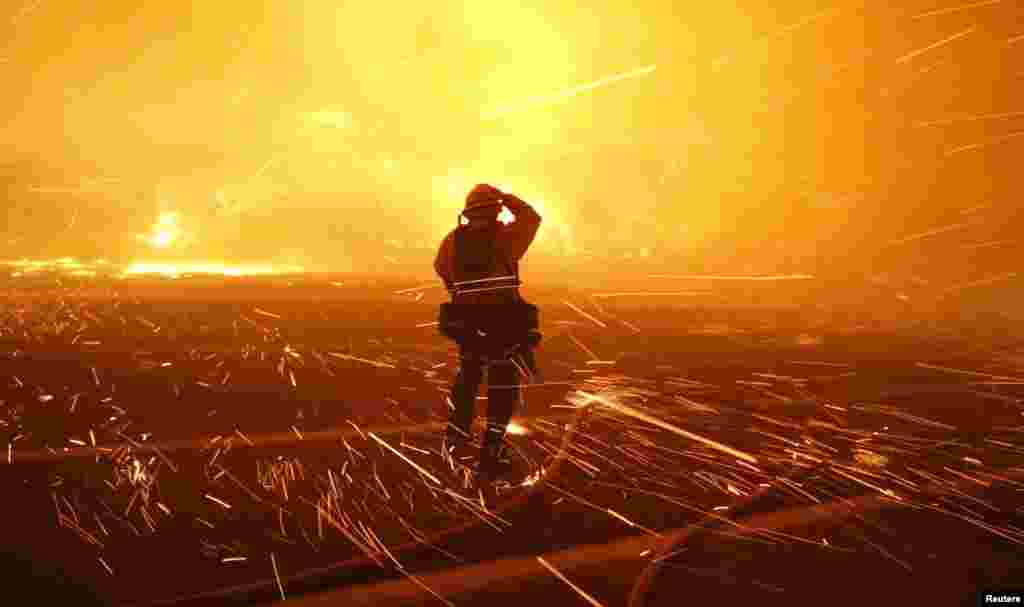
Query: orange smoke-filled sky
(649, 123)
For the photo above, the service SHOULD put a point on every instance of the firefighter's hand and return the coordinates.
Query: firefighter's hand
(513, 202)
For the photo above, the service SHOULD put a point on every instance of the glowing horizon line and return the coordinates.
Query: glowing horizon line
(175, 269)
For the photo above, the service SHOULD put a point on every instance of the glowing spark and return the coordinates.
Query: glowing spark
(625, 520)
(357, 429)
(561, 577)
(587, 316)
(921, 235)
(362, 360)
(935, 45)
(990, 243)
(667, 426)
(776, 422)
(907, 416)
(986, 143)
(233, 559)
(567, 93)
(819, 363)
(416, 466)
(969, 119)
(414, 289)
(265, 313)
(412, 448)
(980, 282)
(584, 348)
(1015, 39)
(221, 502)
(881, 490)
(277, 576)
(266, 165)
(806, 21)
(630, 326)
(954, 9)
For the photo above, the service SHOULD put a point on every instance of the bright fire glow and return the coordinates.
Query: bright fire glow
(30, 265)
(604, 121)
(166, 231)
(72, 267)
(162, 239)
(64, 265)
(181, 269)
(517, 429)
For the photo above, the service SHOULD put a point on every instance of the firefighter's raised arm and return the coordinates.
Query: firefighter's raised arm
(519, 235)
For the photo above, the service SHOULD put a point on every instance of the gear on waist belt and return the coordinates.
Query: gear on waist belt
(491, 326)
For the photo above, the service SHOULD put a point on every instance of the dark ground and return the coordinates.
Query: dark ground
(797, 373)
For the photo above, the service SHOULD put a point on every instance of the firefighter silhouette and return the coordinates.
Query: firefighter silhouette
(495, 329)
